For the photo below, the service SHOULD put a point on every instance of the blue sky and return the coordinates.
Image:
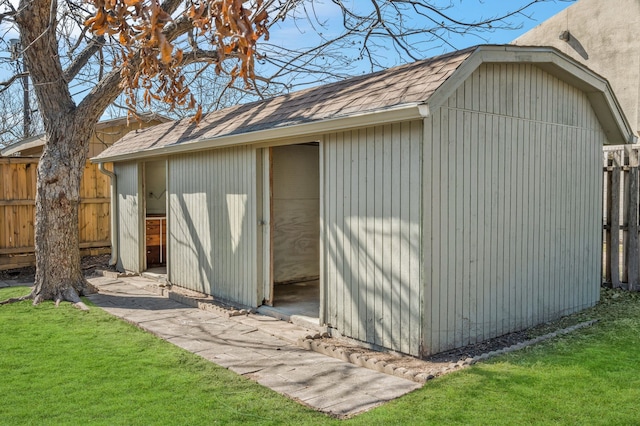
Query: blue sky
(486, 8)
(298, 34)
(461, 9)
(288, 34)
(467, 10)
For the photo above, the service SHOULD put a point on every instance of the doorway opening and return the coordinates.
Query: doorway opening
(295, 230)
(155, 214)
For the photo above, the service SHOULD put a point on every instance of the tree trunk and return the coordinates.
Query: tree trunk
(58, 272)
(68, 128)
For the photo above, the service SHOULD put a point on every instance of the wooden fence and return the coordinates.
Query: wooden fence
(621, 251)
(17, 211)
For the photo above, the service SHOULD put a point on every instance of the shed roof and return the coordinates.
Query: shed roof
(405, 92)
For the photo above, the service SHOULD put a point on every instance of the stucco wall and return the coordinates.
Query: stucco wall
(604, 37)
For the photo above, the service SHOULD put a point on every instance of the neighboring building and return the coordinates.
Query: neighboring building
(440, 203)
(105, 134)
(18, 164)
(603, 36)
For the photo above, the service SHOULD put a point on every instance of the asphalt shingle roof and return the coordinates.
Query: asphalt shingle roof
(405, 84)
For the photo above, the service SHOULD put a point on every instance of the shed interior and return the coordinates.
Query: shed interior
(155, 205)
(295, 231)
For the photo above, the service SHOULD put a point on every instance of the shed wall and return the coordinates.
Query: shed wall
(212, 223)
(130, 233)
(512, 206)
(371, 228)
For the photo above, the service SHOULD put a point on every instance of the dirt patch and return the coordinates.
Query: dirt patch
(474, 350)
(21, 275)
(89, 265)
(429, 367)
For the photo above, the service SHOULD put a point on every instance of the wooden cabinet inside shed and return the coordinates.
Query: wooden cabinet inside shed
(156, 240)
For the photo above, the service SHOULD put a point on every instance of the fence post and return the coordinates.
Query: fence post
(613, 219)
(633, 249)
(607, 226)
(633, 246)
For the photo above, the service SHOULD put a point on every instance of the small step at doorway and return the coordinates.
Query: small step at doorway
(297, 302)
(158, 274)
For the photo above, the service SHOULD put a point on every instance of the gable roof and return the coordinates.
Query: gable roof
(26, 143)
(401, 93)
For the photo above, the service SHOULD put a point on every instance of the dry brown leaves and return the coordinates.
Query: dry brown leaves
(149, 60)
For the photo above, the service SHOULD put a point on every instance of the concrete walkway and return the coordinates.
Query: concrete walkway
(259, 347)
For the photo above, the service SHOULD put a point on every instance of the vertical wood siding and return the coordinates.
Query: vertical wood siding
(130, 232)
(371, 224)
(512, 206)
(212, 223)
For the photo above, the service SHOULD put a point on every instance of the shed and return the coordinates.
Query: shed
(436, 204)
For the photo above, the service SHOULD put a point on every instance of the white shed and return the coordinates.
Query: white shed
(436, 204)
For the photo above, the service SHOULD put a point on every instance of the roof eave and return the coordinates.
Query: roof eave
(403, 112)
(28, 143)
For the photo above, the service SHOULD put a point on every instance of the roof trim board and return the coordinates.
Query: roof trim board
(312, 130)
(27, 143)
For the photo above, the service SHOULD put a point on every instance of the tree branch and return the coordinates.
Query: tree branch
(81, 60)
(4, 85)
(5, 15)
(178, 27)
(10, 14)
(37, 22)
(200, 55)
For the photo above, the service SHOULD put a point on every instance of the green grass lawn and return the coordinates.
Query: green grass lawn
(65, 366)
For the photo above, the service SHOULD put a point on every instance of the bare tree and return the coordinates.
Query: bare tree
(12, 123)
(85, 57)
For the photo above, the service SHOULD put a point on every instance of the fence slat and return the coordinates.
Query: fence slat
(17, 209)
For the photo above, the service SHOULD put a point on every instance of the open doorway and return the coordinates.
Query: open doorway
(155, 185)
(295, 229)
